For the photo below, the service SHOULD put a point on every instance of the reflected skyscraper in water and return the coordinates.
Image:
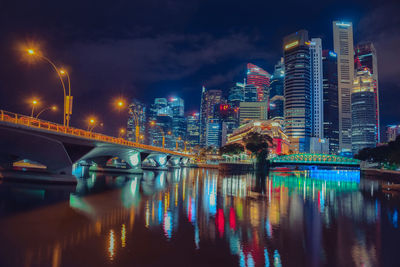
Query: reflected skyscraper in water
(313, 216)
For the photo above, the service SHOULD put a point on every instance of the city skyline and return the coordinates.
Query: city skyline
(227, 62)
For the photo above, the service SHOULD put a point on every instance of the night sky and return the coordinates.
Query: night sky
(147, 49)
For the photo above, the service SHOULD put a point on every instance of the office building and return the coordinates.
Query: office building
(236, 95)
(209, 99)
(260, 79)
(343, 47)
(250, 93)
(276, 92)
(213, 133)
(316, 87)
(365, 57)
(249, 111)
(392, 131)
(330, 100)
(193, 130)
(177, 106)
(297, 88)
(136, 122)
(363, 111)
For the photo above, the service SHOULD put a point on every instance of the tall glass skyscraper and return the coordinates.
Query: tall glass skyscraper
(297, 90)
(363, 111)
(330, 100)
(260, 79)
(209, 100)
(193, 130)
(276, 88)
(137, 117)
(343, 46)
(365, 57)
(316, 85)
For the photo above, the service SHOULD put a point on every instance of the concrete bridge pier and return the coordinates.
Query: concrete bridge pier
(174, 162)
(101, 155)
(156, 161)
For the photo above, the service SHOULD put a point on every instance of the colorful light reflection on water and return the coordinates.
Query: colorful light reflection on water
(202, 217)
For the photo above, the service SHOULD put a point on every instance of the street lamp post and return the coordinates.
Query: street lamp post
(67, 99)
(54, 108)
(121, 133)
(153, 123)
(34, 103)
(177, 143)
(121, 104)
(92, 123)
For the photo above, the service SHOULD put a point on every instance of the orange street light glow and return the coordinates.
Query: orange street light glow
(31, 51)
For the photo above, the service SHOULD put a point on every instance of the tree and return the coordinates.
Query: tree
(389, 153)
(231, 149)
(258, 145)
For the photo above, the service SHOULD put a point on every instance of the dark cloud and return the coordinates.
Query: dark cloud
(154, 48)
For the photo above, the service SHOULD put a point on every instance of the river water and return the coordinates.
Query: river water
(200, 217)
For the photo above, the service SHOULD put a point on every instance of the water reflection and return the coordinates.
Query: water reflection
(201, 217)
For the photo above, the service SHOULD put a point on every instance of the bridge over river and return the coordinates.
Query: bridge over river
(58, 147)
(314, 159)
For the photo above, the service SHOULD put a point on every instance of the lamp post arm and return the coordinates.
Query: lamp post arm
(43, 110)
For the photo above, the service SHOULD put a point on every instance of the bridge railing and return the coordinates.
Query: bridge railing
(19, 119)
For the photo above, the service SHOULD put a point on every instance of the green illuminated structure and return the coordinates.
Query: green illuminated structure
(322, 159)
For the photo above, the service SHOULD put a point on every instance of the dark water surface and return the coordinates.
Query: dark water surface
(199, 217)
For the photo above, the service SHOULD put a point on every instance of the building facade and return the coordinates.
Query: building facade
(363, 111)
(365, 57)
(249, 111)
(297, 90)
(260, 79)
(343, 47)
(193, 130)
(317, 88)
(136, 124)
(213, 133)
(392, 131)
(276, 92)
(209, 99)
(330, 100)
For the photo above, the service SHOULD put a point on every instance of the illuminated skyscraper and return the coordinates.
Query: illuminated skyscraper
(137, 114)
(343, 46)
(392, 132)
(297, 90)
(363, 111)
(365, 57)
(316, 85)
(177, 105)
(260, 79)
(330, 100)
(277, 100)
(193, 130)
(209, 100)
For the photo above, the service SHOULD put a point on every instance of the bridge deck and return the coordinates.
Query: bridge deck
(10, 117)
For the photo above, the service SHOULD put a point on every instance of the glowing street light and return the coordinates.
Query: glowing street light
(53, 108)
(67, 98)
(34, 103)
(121, 103)
(121, 132)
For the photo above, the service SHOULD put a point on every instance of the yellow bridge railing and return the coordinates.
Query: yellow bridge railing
(24, 120)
